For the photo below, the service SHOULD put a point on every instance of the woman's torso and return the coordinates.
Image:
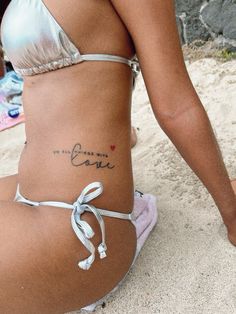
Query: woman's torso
(86, 104)
(78, 122)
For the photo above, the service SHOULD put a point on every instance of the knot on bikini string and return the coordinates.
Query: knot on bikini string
(82, 229)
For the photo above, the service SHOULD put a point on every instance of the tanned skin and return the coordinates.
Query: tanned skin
(85, 137)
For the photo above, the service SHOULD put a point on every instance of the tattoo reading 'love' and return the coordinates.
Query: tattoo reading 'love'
(78, 159)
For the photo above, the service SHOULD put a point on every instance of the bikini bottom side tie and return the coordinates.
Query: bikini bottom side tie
(82, 229)
(143, 216)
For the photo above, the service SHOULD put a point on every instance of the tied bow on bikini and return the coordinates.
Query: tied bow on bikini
(82, 229)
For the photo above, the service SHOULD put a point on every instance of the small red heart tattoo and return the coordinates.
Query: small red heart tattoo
(113, 147)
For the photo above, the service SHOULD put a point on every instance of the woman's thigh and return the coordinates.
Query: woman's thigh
(32, 264)
(39, 253)
(8, 187)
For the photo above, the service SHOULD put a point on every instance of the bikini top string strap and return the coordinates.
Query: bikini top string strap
(82, 229)
(133, 63)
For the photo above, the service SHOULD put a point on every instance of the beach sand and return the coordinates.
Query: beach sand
(187, 264)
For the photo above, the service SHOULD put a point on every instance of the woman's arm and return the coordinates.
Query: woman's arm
(174, 100)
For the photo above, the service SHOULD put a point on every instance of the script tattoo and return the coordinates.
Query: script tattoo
(78, 159)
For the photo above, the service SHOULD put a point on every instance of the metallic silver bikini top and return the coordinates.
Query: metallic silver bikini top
(35, 43)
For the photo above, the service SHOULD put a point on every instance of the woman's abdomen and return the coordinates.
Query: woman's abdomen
(78, 131)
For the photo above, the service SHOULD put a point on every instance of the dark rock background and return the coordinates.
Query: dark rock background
(204, 19)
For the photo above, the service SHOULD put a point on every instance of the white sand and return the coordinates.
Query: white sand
(187, 265)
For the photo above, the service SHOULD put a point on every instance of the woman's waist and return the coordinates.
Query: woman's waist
(80, 93)
(67, 117)
(59, 173)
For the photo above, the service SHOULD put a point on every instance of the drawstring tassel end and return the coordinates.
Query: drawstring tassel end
(86, 263)
(102, 250)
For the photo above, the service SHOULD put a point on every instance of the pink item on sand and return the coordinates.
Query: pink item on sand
(7, 121)
(145, 211)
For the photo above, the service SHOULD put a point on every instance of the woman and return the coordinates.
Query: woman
(84, 137)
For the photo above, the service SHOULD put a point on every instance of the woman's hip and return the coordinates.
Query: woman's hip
(39, 259)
